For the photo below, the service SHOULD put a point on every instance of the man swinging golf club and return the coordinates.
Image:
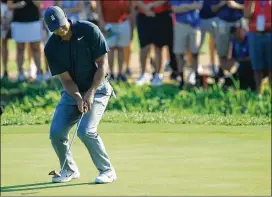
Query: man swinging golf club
(77, 53)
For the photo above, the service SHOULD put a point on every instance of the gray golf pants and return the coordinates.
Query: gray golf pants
(67, 115)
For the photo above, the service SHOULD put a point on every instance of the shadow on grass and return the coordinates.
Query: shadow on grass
(37, 186)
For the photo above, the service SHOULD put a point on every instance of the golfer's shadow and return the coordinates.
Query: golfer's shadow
(37, 186)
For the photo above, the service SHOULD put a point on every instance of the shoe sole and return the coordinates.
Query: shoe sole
(105, 182)
(62, 181)
(76, 177)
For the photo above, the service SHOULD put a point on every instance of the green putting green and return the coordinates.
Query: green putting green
(150, 159)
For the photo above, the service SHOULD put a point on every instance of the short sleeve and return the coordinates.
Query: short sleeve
(99, 44)
(55, 67)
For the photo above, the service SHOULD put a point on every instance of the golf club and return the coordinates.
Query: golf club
(54, 173)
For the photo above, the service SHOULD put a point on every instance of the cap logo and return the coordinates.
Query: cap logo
(52, 17)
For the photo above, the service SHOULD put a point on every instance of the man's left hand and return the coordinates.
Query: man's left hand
(89, 99)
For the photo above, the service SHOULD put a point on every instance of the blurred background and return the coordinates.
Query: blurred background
(212, 58)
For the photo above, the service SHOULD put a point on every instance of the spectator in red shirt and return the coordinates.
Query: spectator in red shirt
(154, 24)
(260, 40)
(117, 25)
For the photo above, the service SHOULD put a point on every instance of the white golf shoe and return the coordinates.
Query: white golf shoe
(66, 176)
(39, 78)
(106, 177)
(143, 79)
(47, 76)
(157, 80)
(21, 77)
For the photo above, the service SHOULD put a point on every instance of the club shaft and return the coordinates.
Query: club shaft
(73, 139)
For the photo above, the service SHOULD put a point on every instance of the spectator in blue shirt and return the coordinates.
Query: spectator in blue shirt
(229, 14)
(73, 9)
(186, 33)
(240, 55)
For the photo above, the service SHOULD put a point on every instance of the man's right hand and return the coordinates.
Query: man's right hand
(82, 106)
(72, 89)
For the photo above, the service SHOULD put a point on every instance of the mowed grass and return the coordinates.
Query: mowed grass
(150, 159)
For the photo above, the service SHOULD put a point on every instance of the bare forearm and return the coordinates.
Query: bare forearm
(99, 77)
(75, 10)
(100, 14)
(180, 9)
(249, 10)
(187, 8)
(140, 4)
(92, 5)
(100, 74)
(13, 6)
(157, 3)
(71, 88)
(195, 6)
(215, 8)
(235, 5)
(37, 4)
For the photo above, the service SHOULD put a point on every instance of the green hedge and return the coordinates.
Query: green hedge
(33, 98)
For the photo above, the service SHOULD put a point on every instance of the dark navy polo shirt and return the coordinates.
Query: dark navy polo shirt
(206, 11)
(78, 55)
(229, 14)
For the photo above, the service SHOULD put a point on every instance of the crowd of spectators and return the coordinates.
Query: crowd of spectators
(239, 35)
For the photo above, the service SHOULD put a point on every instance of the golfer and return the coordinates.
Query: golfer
(77, 53)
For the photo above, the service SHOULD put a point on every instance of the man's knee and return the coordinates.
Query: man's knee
(90, 132)
(56, 133)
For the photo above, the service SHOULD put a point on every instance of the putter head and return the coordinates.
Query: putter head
(54, 173)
